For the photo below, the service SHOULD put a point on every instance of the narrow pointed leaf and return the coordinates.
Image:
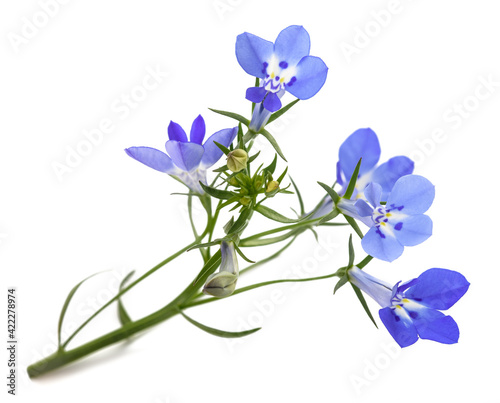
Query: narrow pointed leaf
(352, 182)
(344, 279)
(238, 250)
(299, 196)
(253, 157)
(361, 298)
(235, 116)
(217, 193)
(272, 166)
(66, 304)
(273, 142)
(219, 333)
(333, 194)
(351, 252)
(277, 114)
(352, 222)
(123, 316)
(224, 149)
(330, 216)
(273, 215)
(241, 222)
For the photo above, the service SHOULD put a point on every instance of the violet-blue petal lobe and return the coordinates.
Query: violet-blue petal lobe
(363, 208)
(176, 132)
(414, 192)
(256, 94)
(153, 158)
(186, 156)
(292, 44)
(310, 76)
(400, 328)
(438, 288)
(434, 325)
(363, 143)
(413, 230)
(252, 52)
(197, 130)
(212, 152)
(385, 248)
(272, 102)
(389, 172)
(373, 193)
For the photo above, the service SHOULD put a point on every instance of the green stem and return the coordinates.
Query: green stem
(64, 357)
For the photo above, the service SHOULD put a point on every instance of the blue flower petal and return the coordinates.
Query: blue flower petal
(256, 94)
(176, 132)
(252, 52)
(400, 327)
(153, 158)
(414, 192)
(438, 288)
(212, 152)
(363, 143)
(389, 172)
(292, 44)
(309, 78)
(197, 130)
(373, 193)
(385, 248)
(272, 102)
(363, 208)
(186, 156)
(434, 325)
(413, 230)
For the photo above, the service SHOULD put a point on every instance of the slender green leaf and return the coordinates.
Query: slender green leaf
(272, 166)
(219, 333)
(333, 194)
(204, 245)
(330, 216)
(221, 169)
(268, 241)
(351, 252)
(209, 267)
(217, 193)
(282, 175)
(122, 313)
(299, 196)
(361, 298)
(352, 182)
(66, 304)
(352, 222)
(253, 157)
(235, 116)
(334, 224)
(277, 114)
(223, 148)
(257, 84)
(344, 279)
(273, 142)
(273, 215)
(241, 222)
(243, 255)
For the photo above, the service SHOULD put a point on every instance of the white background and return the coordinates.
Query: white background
(112, 213)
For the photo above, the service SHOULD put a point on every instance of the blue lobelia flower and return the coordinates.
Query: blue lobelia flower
(398, 223)
(186, 160)
(363, 143)
(282, 66)
(412, 309)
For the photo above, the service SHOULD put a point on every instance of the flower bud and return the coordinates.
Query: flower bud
(237, 160)
(272, 186)
(220, 284)
(223, 283)
(245, 200)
